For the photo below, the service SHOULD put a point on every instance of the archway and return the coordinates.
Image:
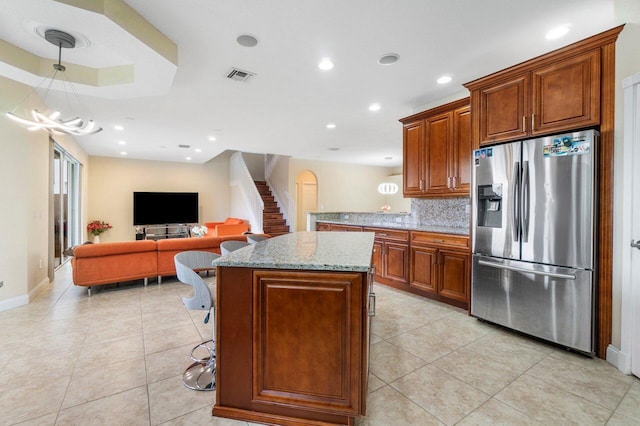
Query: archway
(306, 197)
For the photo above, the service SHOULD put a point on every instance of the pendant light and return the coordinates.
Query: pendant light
(52, 123)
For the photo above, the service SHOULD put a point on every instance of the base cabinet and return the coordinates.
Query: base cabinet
(292, 346)
(441, 267)
(390, 255)
(430, 264)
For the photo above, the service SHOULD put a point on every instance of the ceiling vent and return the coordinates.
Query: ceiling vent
(239, 75)
(184, 146)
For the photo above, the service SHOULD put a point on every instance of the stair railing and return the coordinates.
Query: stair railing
(240, 177)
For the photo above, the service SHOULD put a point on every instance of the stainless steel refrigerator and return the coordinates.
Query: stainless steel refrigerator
(533, 232)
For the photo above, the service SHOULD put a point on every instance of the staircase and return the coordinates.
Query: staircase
(273, 222)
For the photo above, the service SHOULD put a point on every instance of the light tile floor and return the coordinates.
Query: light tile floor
(116, 358)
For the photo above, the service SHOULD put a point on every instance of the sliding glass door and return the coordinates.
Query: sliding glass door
(66, 201)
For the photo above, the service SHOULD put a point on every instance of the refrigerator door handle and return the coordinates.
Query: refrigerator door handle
(526, 208)
(515, 217)
(527, 271)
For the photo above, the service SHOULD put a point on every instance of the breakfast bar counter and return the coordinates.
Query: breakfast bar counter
(293, 315)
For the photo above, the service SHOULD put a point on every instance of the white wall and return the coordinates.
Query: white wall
(277, 175)
(255, 164)
(627, 64)
(24, 198)
(113, 181)
(342, 187)
(397, 202)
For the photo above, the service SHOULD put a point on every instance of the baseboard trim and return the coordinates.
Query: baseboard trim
(38, 289)
(14, 302)
(619, 359)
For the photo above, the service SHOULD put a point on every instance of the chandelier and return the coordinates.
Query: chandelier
(53, 123)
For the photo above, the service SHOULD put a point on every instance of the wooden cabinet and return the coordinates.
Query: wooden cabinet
(437, 151)
(440, 266)
(323, 226)
(566, 95)
(413, 158)
(430, 264)
(292, 345)
(545, 98)
(390, 255)
(345, 228)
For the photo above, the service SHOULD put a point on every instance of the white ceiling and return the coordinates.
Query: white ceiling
(285, 107)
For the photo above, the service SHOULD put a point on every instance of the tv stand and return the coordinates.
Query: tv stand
(162, 232)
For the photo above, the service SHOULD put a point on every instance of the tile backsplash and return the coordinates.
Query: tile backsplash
(452, 212)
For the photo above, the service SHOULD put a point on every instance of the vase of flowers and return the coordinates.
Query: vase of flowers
(199, 231)
(97, 227)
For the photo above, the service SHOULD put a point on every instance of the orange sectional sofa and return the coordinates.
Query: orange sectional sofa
(167, 249)
(113, 262)
(230, 226)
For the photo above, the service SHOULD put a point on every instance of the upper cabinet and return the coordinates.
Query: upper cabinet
(566, 95)
(550, 94)
(437, 151)
(557, 97)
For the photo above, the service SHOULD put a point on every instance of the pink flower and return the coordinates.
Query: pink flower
(97, 227)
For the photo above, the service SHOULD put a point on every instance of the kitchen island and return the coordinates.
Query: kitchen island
(292, 327)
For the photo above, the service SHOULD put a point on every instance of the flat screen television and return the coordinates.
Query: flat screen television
(159, 208)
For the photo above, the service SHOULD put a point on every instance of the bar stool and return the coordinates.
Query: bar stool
(201, 375)
(227, 247)
(255, 238)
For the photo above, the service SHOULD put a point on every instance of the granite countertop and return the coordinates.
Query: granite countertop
(320, 251)
(403, 226)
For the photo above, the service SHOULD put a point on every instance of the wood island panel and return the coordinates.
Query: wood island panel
(292, 345)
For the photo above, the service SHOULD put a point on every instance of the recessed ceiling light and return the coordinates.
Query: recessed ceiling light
(388, 59)
(122, 143)
(325, 64)
(198, 150)
(374, 107)
(557, 32)
(187, 158)
(118, 127)
(212, 138)
(334, 149)
(444, 79)
(388, 158)
(123, 153)
(247, 40)
(331, 126)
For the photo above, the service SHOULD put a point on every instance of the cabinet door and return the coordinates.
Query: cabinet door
(424, 271)
(345, 228)
(321, 226)
(438, 136)
(455, 274)
(460, 162)
(503, 108)
(413, 158)
(378, 255)
(396, 262)
(308, 325)
(566, 94)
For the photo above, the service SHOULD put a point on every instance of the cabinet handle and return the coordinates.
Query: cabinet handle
(381, 234)
(455, 183)
(533, 121)
(421, 184)
(524, 123)
(449, 182)
(372, 304)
